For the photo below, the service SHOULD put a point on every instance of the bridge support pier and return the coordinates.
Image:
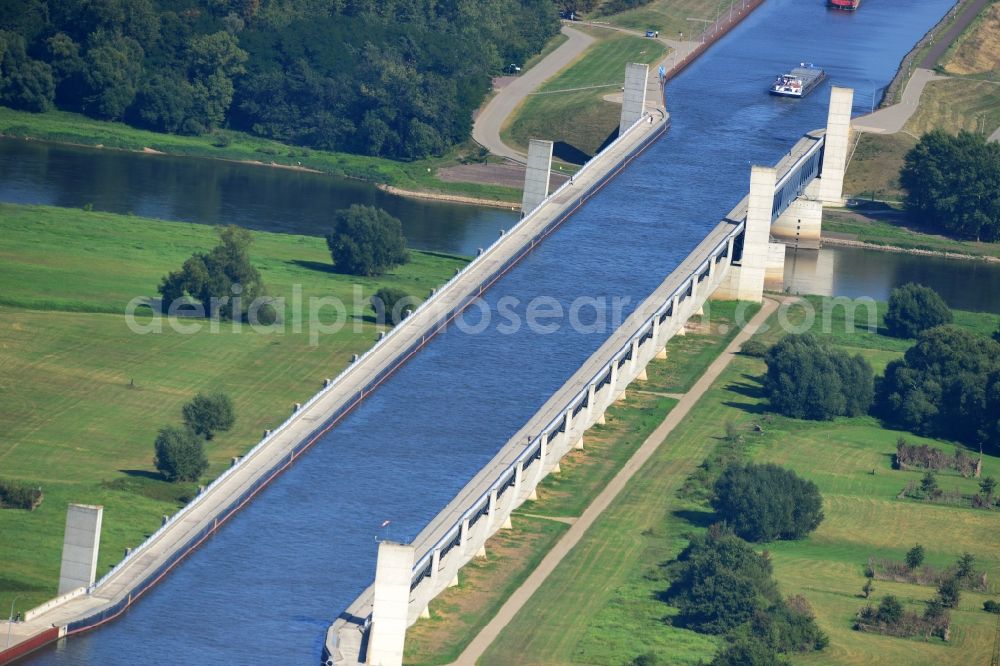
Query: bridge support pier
(536, 175)
(838, 129)
(634, 96)
(81, 543)
(393, 571)
(745, 281)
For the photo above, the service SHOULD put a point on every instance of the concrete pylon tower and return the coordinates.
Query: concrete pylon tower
(756, 237)
(81, 544)
(838, 129)
(390, 605)
(634, 96)
(536, 175)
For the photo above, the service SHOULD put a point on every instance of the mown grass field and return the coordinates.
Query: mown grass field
(600, 605)
(670, 17)
(82, 396)
(72, 128)
(569, 108)
(459, 613)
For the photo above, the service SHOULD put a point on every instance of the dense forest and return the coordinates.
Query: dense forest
(395, 78)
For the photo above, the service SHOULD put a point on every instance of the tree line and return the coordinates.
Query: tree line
(946, 385)
(394, 78)
(952, 184)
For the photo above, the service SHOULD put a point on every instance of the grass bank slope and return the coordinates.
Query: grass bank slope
(570, 110)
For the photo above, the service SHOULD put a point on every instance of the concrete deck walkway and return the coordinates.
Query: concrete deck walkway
(576, 532)
(486, 129)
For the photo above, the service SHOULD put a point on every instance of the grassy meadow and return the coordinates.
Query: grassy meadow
(671, 17)
(82, 396)
(600, 606)
(460, 612)
(577, 93)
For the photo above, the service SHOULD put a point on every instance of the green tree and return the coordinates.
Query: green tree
(890, 610)
(949, 592)
(223, 281)
(915, 557)
(214, 60)
(767, 502)
(24, 83)
(180, 455)
(114, 67)
(807, 379)
(987, 486)
(965, 570)
(914, 308)
(208, 414)
(929, 485)
(366, 241)
(719, 582)
(953, 184)
(946, 385)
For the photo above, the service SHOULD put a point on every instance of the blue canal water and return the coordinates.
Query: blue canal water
(266, 587)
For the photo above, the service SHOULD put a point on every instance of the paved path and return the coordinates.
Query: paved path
(552, 559)
(486, 129)
(891, 119)
(969, 14)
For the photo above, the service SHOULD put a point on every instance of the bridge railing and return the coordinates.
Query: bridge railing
(477, 505)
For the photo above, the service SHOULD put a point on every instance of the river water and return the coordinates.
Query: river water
(265, 588)
(217, 192)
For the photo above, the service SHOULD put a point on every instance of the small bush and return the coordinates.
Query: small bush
(991, 606)
(754, 348)
(17, 495)
(390, 305)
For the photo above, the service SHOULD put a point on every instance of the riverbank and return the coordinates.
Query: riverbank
(885, 231)
(418, 176)
(85, 396)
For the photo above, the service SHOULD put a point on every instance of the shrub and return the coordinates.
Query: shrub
(17, 495)
(208, 414)
(390, 305)
(913, 309)
(748, 652)
(366, 241)
(767, 502)
(754, 348)
(991, 606)
(180, 455)
(808, 380)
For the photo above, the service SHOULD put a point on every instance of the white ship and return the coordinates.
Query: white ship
(799, 82)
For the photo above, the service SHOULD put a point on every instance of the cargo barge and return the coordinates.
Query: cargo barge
(799, 82)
